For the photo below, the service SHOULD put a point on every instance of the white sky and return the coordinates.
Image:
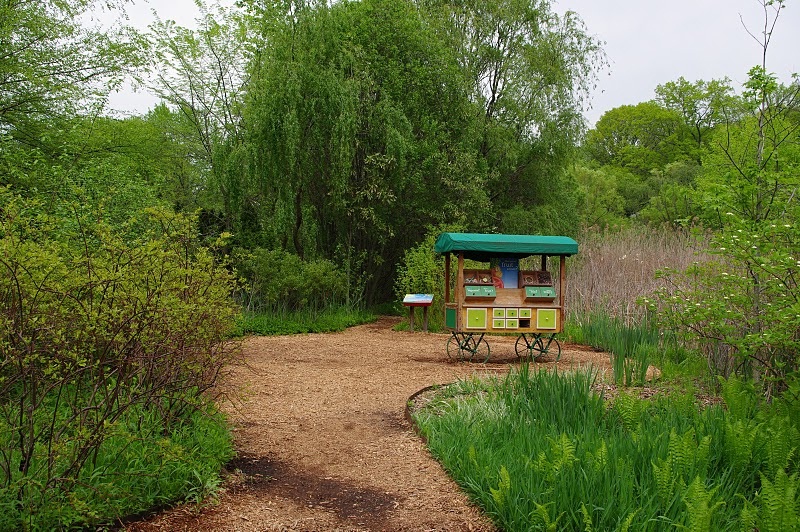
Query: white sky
(648, 42)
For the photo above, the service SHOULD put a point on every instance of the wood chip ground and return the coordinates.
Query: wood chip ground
(322, 441)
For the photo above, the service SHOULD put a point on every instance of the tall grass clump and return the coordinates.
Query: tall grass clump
(541, 451)
(613, 270)
(633, 347)
(608, 286)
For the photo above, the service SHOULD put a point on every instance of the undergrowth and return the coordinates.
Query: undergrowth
(542, 451)
(304, 321)
(137, 468)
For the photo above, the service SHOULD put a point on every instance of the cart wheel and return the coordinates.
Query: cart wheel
(545, 348)
(454, 351)
(523, 348)
(480, 351)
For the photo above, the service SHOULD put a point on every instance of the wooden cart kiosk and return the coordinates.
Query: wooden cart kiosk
(504, 298)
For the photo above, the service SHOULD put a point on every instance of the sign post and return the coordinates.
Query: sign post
(418, 300)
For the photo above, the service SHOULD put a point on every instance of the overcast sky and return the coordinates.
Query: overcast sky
(648, 42)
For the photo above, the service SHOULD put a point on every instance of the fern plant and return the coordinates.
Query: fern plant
(777, 503)
(701, 505)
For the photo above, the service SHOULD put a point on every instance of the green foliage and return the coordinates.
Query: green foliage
(741, 308)
(632, 347)
(98, 321)
(137, 467)
(702, 104)
(330, 319)
(275, 280)
(542, 451)
(422, 272)
(365, 125)
(53, 64)
(600, 202)
(640, 138)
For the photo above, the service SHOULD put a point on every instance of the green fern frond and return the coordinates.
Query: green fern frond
(500, 495)
(779, 446)
(777, 503)
(626, 524)
(587, 519)
(541, 516)
(699, 502)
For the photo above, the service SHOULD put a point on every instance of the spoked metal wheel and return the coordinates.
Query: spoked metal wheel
(466, 346)
(549, 346)
(536, 348)
(480, 349)
(524, 347)
(454, 348)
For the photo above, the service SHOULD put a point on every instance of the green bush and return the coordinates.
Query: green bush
(740, 308)
(422, 272)
(276, 280)
(94, 327)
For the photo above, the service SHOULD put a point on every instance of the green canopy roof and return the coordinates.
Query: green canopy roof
(482, 247)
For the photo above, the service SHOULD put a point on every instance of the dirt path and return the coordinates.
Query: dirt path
(323, 443)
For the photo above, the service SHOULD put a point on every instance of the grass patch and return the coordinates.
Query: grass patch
(140, 466)
(300, 322)
(542, 451)
(633, 346)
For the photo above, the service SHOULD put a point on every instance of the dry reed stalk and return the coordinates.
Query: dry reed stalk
(613, 270)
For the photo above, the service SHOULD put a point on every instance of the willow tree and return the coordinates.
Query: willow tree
(360, 134)
(530, 71)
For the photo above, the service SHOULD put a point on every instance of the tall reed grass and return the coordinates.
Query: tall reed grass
(612, 270)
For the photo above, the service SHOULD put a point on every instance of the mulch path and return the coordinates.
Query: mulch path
(323, 442)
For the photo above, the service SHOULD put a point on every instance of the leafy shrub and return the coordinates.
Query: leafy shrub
(422, 272)
(741, 307)
(91, 327)
(279, 280)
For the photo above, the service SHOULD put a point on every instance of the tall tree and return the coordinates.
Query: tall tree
(53, 66)
(530, 71)
(640, 137)
(359, 135)
(202, 73)
(703, 104)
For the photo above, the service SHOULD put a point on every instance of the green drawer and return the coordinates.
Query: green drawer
(498, 323)
(512, 313)
(498, 313)
(488, 291)
(540, 292)
(512, 324)
(472, 291)
(525, 313)
(546, 318)
(476, 318)
(450, 318)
